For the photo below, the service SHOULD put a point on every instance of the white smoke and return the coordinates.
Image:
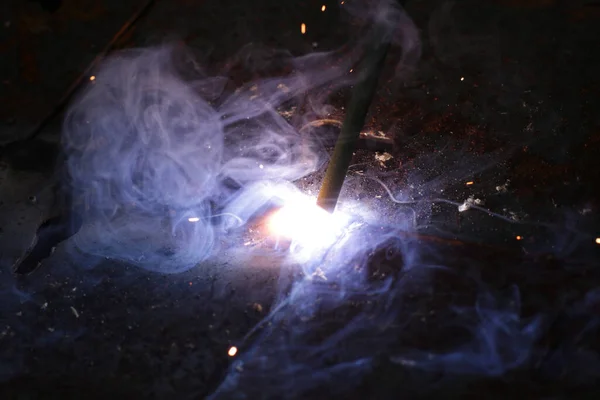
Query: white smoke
(154, 142)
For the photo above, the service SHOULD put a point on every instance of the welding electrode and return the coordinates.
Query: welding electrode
(369, 70)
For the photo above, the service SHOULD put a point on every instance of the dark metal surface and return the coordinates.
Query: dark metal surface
(87, 73)
(66, 223)
(44, 51)
(503, 108)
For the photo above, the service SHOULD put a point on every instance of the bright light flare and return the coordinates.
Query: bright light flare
(303, 28)
(323, 8)
(193, 219)
(305, 224)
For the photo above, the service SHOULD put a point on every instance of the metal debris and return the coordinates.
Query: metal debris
(257, 307)
(287, 113)
(375, 134)
(283, 88)
(468, 203)
(514, 216)
(503, 188)
(319, 274)
(383, 157)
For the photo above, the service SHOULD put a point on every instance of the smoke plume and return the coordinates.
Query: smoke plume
(159, 153)
(168, 162)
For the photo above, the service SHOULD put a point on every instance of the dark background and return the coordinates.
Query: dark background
(506, 91)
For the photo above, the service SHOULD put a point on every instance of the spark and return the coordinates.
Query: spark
(92, 78)
(323, 8)
(519, 237)
(469, 183)
(303, 28)
(193, 219)
(462, 78)
(232, 351)
(598, 240)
